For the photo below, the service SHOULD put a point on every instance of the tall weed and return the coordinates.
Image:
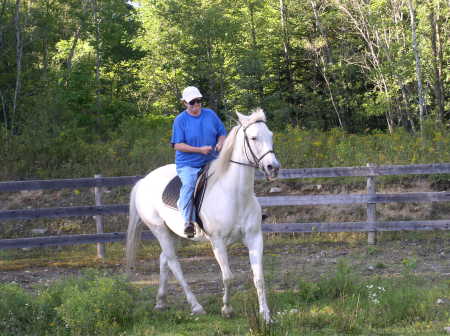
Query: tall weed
(101, 306)
(343, 302)
(138, 145)
(309, 148)
(17, 310)
(92, 304)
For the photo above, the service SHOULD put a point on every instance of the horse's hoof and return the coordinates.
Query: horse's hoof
(161, 306)
(227, 311)
(198, 311)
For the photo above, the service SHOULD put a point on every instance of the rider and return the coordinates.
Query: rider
(197, 136)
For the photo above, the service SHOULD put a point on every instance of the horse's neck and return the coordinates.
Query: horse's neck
(239, 179)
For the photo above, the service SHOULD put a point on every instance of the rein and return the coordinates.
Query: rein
(256, 161)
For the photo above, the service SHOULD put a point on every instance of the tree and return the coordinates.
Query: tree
(437, 43)
(415, 47)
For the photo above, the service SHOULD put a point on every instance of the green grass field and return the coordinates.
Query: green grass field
(319, 296)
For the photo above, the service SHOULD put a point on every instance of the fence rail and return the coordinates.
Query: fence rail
(364, 171)
(265, 201)
(371, 199)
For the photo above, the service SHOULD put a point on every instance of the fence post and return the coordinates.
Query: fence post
(371, 208)
(98, 219)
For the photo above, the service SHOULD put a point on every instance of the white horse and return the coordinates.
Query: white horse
(230, 211)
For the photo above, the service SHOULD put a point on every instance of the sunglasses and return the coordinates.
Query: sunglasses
(195, 101)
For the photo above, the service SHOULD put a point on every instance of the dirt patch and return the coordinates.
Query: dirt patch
(285, 264)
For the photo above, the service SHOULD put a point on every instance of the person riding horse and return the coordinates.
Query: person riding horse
(230, 211)
(197, 136)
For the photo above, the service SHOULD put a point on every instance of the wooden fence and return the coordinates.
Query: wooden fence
(371, 198)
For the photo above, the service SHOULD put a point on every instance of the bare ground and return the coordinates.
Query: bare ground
(285, 264)
(287, 260)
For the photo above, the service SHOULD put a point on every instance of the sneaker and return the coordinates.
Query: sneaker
(189, 230)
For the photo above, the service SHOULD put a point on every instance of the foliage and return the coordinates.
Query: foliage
(88, 65)
(140, 144)
(335, 148)
(340, 302)
(99, 306)
(92, 304)
(75, 74)
(16, 310)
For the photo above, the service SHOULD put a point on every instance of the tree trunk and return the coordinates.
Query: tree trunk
(422, 108)
(286, 48)
(76, 37)
(406, 109)
(438, 85)
(359, 18)
(325, 58)
(255, 47)
(2, 14)
(19, 54)
(97, 56)
(5, 112)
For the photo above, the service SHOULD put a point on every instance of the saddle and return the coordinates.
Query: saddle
(172, 193)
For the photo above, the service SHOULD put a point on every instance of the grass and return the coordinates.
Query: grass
(339, 303)
(398, 298)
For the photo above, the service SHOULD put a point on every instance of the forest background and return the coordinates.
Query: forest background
(91, 86)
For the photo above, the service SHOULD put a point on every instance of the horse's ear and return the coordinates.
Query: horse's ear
(242, 118)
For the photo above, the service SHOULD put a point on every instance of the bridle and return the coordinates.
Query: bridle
(254, 161)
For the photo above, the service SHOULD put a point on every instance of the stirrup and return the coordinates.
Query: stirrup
(189, 230)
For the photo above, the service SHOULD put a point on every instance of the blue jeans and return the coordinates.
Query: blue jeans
(188, 177)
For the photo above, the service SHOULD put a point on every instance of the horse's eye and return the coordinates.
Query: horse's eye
(253, 138)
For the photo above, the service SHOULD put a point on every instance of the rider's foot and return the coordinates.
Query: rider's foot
(189, 230)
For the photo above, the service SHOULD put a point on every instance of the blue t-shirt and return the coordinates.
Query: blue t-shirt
(197, 131)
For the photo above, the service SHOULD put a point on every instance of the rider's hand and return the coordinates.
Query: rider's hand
(205, 150)
(219, 147)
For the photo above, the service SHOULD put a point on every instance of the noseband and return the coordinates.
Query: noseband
(254, 161)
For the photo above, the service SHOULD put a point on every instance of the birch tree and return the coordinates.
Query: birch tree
(415, 46)
(324, 55)
(358, 13)
(437, 45)
(286, 47)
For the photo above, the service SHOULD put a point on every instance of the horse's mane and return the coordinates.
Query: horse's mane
(221, 164)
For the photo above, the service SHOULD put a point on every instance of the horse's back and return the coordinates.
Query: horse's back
(149, 189)
(166, 172)
(150, 205)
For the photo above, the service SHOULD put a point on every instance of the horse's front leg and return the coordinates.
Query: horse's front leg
(254, 242)
(220, 252)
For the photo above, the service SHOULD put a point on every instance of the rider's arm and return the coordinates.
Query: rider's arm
(220, 142)
(191, 149)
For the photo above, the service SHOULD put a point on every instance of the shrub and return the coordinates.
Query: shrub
(398, 302)
(16, 310)
(341, 284)
(309, 291)
(96, 306)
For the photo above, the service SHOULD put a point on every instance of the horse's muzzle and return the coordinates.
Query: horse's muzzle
(272, 170)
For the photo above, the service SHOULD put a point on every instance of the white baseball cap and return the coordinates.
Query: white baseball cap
(191, 92)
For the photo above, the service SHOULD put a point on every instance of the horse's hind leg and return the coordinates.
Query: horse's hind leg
(220, 252)
(168, 250)
(163, 280)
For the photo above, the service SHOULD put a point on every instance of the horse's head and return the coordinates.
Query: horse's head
(258, 143)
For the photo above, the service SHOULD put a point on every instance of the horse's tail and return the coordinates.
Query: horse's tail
(133, 233)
